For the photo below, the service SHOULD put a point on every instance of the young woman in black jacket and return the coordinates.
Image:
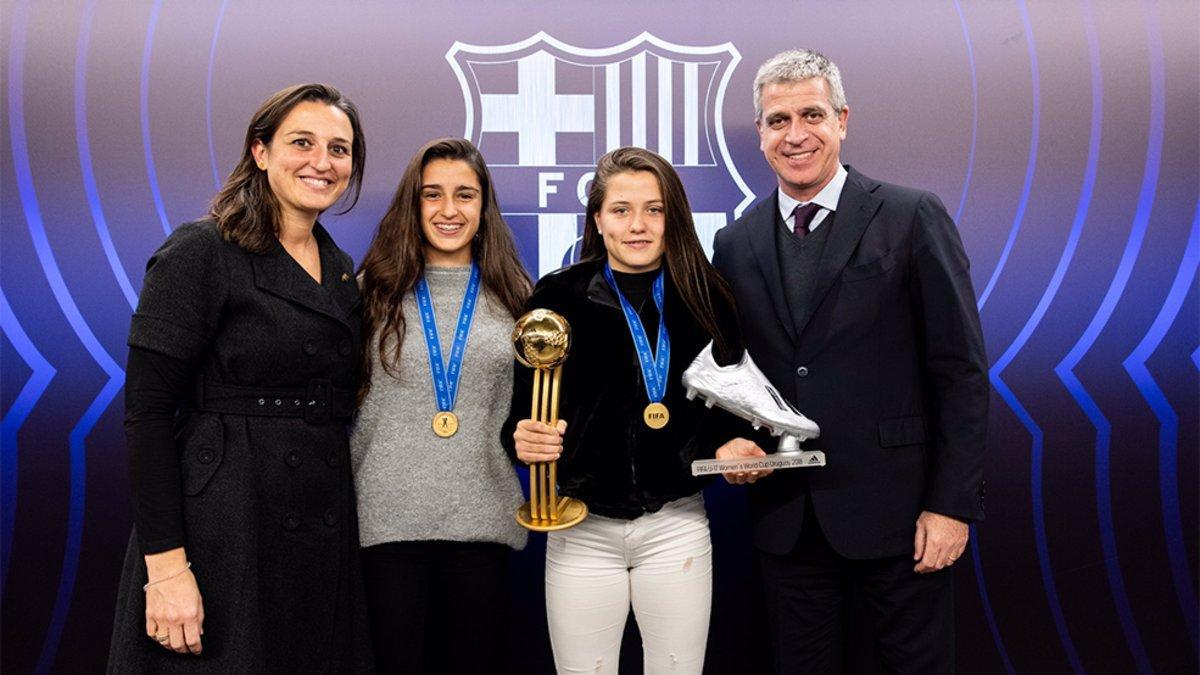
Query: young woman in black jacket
(628, 434)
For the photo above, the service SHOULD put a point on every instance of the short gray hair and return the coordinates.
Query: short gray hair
(796, 66)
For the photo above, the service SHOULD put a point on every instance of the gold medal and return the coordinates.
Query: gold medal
(445, 423)
(656, 415)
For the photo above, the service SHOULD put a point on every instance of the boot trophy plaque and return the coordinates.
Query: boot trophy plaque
(743, 390)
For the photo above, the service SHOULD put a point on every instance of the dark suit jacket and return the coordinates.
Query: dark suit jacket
(889, 361)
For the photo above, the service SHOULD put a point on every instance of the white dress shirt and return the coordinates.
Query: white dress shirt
(827, 199)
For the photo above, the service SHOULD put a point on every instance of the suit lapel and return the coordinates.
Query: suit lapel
(761, 232)
(855, 209)
(275, 272)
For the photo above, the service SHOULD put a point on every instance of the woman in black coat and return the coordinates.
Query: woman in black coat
(243, 362)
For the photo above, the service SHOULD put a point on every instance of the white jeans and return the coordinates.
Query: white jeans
(661, 562)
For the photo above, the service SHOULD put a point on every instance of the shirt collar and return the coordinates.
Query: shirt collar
(827, 198)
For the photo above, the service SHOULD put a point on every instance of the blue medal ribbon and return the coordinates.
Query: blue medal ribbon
(654, 365)
(446, 376)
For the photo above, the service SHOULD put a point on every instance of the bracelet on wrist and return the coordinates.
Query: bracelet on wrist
(169, 576)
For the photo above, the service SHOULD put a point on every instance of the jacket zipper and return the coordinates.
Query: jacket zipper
(637, 491)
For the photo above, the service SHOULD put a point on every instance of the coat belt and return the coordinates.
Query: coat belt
(317, 403)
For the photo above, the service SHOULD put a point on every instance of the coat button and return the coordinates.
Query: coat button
(802, 371)
(310, 347)
(331, 518)
(206, 456)
(345, 347)
(331, 459)
(294, 459)
(290, 522)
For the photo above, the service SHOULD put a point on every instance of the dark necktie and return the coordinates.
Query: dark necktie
(802, 215)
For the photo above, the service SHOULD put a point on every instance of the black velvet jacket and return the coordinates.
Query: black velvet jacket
(611, 460)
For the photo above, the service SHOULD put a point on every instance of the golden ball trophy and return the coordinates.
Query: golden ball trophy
(541, 340)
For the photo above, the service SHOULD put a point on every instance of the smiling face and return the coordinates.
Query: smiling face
(451, 205)
(801, 135)
(308, 161)
(631, 220)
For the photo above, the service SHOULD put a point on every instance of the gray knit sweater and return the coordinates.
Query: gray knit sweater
(413, 485)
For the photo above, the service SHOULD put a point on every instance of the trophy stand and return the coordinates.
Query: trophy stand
(789, 456)
(541, 340)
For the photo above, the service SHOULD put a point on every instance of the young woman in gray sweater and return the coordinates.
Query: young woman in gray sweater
(442, 284)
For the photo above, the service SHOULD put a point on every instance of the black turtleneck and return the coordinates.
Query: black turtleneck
(635, 286)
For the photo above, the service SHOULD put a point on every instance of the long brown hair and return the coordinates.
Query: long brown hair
(693, 276)
(246, 210)
(396, 257)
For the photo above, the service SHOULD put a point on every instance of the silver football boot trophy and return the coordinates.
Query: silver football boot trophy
(743, 390)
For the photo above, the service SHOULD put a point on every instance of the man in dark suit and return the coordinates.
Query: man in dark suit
(855, 300)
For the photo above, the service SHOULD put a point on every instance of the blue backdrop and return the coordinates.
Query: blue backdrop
(1061, 135)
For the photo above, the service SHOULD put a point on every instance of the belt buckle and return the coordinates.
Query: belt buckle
(317, 408)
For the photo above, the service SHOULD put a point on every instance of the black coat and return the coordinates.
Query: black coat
(889, 361)
(269, 510)
(611, 460)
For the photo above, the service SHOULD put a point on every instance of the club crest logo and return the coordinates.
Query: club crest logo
(543, 112)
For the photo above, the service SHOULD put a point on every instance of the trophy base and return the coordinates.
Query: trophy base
(795, 459)
(571, 512)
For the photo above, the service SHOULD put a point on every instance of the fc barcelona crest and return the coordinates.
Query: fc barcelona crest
(542, 112)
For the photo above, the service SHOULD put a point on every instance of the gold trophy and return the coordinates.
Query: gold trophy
(541, 340)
